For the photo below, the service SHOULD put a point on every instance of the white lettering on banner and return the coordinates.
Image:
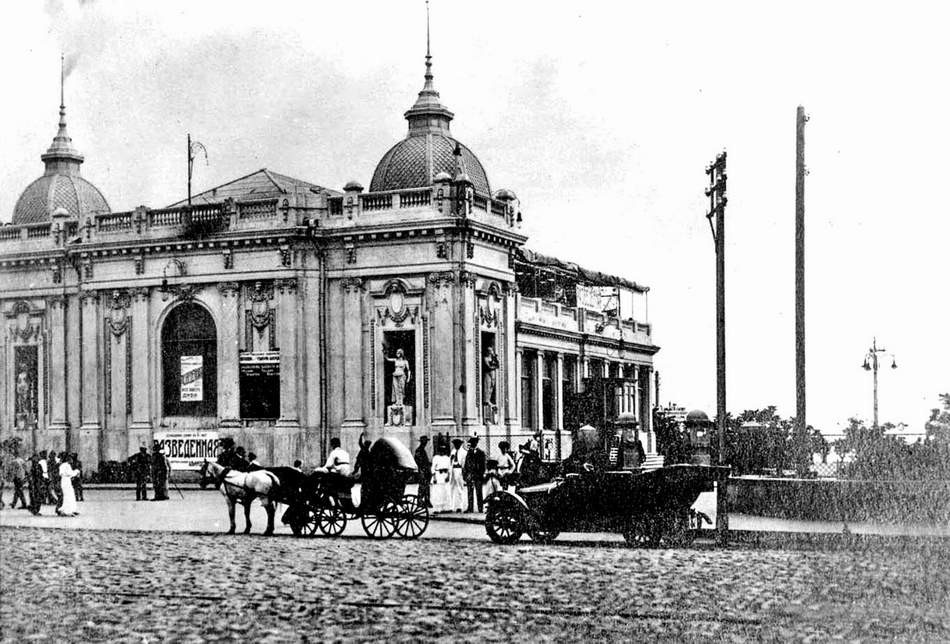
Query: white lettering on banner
(588, 297)
(187, 450)
(192, 380)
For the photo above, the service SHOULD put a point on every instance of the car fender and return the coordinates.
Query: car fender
(505, 497)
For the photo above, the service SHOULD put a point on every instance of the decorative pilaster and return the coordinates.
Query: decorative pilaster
(468, 328)
(558, 388)
(539, 388)
(57, 362)
(115, 445)
(512, 361)
(352, 352)
(287, 430)
(228, 356)
(91, 429)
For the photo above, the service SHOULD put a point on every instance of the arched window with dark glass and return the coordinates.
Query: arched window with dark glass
(189, 362)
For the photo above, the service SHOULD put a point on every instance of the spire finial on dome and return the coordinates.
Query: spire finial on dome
(62, 157)
(428, 113)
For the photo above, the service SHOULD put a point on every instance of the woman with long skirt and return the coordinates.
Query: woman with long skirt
(66, 475)
(456, 480)
(439, 494)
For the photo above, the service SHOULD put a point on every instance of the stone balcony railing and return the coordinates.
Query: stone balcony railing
(199, 220)
(380, 204)
(560, 317)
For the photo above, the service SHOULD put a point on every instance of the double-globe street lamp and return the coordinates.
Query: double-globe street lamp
(872, 363)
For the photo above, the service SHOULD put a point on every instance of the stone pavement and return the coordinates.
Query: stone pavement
(82, 585)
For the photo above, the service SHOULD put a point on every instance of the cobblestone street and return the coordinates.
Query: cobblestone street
(84, 585)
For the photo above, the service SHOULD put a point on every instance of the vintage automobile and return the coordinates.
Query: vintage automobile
(650, 509)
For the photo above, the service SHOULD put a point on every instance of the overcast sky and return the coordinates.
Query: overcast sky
(601, 117)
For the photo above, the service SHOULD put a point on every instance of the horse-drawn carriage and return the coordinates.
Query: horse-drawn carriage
(385, 509)
(649, 508)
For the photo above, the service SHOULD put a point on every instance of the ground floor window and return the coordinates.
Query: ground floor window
(527, 390)
(189, 362)
(548, 382)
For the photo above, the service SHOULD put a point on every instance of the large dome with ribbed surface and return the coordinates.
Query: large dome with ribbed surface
(428, 149)
(414, 162)
(61, 186)
(52, 191)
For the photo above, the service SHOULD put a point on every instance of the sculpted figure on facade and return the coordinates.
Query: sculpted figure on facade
(489, 377)
(401, 375)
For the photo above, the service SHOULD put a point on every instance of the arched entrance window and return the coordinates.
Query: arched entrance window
(189, 362)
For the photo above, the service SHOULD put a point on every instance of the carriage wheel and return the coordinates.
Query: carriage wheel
(381, 524)
(413, 517)
(309, 527)
(330, 519)
(503, 522)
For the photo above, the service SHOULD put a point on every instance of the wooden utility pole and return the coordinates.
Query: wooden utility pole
(801, 425)
(717, 211)
(717, 216)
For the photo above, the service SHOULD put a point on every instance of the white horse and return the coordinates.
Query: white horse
(244, 487)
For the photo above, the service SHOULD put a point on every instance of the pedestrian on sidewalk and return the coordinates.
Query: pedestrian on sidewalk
(54, 491)
(161, 468)
(441, 474)
(36, 482)
(77, 480)
(140, 466)
(506, 466)
(493, 482)
(456, 480)
(473, 472)
(68, 507)
(18, 474)
(424, 466)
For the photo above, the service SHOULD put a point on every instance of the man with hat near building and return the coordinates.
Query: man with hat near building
(139, 463)
(424, 465)
(161, 468)
(473, 473)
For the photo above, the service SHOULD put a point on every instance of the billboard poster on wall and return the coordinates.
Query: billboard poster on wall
(588, 297)
(192, 381)
(188, 449)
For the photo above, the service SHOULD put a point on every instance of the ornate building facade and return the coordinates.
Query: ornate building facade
(284, 313)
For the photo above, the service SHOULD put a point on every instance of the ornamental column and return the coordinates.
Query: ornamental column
(512, 356)
(352, 354)
(140, 431)
(229, 406)
(287, 429)
(58, 425)
(558, 387)
(539, 388)
(468, 328)
(91, 429)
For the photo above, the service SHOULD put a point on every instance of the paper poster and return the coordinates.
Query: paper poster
(192, 381)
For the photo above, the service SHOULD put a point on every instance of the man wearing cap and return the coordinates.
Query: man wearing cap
(473, 473)
(424, 465)
(139, 464)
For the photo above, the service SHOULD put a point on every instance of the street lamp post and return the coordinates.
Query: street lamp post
(872, 363)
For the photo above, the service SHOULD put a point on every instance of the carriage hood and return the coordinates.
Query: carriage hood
(390, 452)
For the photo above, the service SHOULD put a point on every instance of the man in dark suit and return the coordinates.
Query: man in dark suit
(140, 465)
(424, 465)
(473, 473)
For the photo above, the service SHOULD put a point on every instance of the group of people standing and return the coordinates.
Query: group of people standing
(458, 478)
(50, 478)
(155, 465)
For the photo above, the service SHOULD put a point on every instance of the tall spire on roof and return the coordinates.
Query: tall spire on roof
(61, 157)
(428, 113)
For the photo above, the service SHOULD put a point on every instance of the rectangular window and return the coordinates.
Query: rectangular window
(548, 380)
(527, 390)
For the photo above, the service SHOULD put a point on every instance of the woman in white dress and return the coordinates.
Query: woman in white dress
(456, 480)
(66, 475)
(439, 492)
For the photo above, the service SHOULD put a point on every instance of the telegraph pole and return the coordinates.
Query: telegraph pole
(800, 418)
(717, 224)
(716, 216)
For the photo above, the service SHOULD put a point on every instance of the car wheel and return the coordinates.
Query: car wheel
(503, 523)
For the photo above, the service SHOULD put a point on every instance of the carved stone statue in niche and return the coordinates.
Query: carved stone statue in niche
(489, 375)
(402, 374)
(25, 402)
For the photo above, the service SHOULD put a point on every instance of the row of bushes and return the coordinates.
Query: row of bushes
(842, 500)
